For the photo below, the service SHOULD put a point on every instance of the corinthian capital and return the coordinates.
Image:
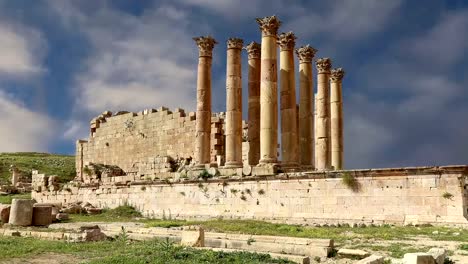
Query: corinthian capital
(287, 40)
(205, 45)
(305, 54)
(235, 43)
(323, 65)
(269, 25)
(337, 75)
(254, 50)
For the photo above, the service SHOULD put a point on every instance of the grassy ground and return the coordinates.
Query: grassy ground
(123, 251)
(6, 199)
(50, 164)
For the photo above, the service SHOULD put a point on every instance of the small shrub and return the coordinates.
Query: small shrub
(122, 237)
(447, 260)
(143, 188)
(234, 191)
(350, 181)
(87, 171)
(317, 259)
(205, 175)
(225, 183)
(250, 241)
(447, 195)
(67, 189)
(261, 192)
(243, 198)
(247, 191)
(123, 211)
(182, 193)
(282, 204)
(217, 200)
(200, 185)
(205, 190)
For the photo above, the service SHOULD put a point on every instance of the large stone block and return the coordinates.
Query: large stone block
(21, 212)
(418, 258)
(42, 215)
(4, 212)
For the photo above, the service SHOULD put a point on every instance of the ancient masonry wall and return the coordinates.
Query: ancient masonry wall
(399, 196)
(135, 141)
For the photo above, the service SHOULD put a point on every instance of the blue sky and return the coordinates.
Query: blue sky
(405, 90)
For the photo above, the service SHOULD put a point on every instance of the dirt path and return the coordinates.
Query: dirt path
(47, 258)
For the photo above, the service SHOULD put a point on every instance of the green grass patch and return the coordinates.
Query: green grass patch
(123, 213)
(61, 165)
(339, 234)
(153, 251)
(6, 199)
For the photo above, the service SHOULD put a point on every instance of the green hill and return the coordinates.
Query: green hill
(50, 164)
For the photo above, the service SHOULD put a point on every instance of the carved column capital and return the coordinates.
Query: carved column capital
(323, 65)
(235, 43)
(269, 25)
(205, 45)
(253, 50)
(305, 54)
(337, 75)
(287, 40)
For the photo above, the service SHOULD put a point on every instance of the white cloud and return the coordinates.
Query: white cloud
(344, 20)
(22, 128)
(137, 62)
(21, 51)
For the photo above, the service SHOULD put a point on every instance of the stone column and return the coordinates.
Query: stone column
(203, 121)
(336, 115)
(253, 134)
(289, 150)
(322, 150)
(234, 103)
(306, 106)
(268, 91)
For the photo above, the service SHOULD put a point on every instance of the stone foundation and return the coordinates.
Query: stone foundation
(435, 195)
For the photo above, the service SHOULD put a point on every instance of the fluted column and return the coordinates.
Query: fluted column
(322, 150)
(203, 121)
(289, 150)
(268, 90)
(234, 103)
(306, 105)
(336, 115)
(253, 50)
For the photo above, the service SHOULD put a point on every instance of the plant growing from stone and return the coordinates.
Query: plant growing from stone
(261, 192)
(447, 196)
(350, 181)
(205, 175)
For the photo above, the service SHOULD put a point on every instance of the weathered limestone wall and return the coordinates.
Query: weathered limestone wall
(400, 196)
(133, 141)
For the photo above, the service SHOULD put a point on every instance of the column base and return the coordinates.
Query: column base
(233, 164)
(265, 169)
(268, 161)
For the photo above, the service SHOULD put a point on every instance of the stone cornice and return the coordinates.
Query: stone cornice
(337, 75)
(287, 41)
(253, 50)
(323, 65)
(269, 25)
(235, 43)
(205, 45)
(305, 54)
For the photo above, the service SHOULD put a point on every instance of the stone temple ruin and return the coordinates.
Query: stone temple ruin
(215, 165)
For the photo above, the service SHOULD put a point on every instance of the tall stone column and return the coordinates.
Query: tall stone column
(203, 121)
(269, 90)
(253, 133)
(234, 103)
(306, 105)
(322, 150)
(289, 148)
(336, 115)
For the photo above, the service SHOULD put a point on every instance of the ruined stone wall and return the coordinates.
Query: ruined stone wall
(399, 196)
(135, 141)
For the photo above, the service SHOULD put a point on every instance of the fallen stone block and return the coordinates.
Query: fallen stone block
(193, 238)
(353, 253)
(92, 233)
(62, 216)
(4, 212)
(418, 258)
(293, 258)
(373, 259)
(42, 215)
(438, 254)
(21, 212)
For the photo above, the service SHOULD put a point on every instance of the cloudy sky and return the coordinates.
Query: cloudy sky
(405, 91)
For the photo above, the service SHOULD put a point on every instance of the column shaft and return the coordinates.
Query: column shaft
(203, 121)
(336, 107)
(269, 91)
(289, 135)
(234, 103)
(253, 135)
(323, 115)
(306, 106)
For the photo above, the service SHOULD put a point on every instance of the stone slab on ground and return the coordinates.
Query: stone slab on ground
(373, 259)
(293, 258)
(418, 258)
(353, 253)
(438, 254)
